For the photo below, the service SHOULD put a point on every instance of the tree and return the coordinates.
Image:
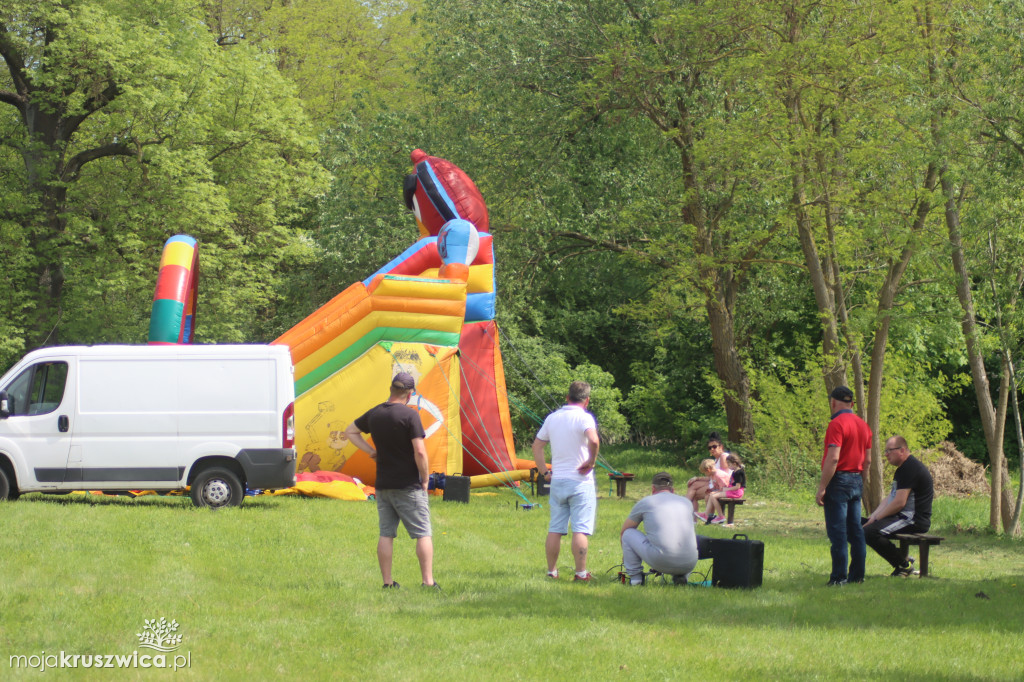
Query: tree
(126, 124)
(340, 54)
(861, 181)
(658, 77)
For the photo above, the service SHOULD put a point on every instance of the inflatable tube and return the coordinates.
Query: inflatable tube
(172, 320)
(502, 479)
(527, 464)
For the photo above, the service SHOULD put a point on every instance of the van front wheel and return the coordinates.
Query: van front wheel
(216, 488)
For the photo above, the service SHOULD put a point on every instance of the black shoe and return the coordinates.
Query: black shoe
(392, 586)
(432, 586)
(679, 580)
(904, 571)
(836, 583)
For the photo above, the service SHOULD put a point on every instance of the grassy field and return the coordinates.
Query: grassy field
(289, 587)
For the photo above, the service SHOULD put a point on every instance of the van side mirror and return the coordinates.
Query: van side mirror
(6, 406)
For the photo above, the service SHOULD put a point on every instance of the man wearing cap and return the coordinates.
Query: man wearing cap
(670, 543)
(403, 473)
(847, 455)
(572, 433)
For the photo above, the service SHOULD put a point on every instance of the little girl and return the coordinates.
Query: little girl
(698, 487)
(737, 482)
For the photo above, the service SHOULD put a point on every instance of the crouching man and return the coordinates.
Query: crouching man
(670, 543)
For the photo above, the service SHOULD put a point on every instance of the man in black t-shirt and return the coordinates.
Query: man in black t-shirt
(908, 509)
(403, 473)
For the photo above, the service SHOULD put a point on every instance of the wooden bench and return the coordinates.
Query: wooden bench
(922, 540)
(729, 506)
(620, 483)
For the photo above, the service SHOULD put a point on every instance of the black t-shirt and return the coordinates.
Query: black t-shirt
(914, 475)
(738, 478)
(393, 426)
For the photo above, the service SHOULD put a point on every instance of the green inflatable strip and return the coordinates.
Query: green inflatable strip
(165, 321)
(385, 334)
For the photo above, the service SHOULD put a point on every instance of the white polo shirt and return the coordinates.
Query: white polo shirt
(566, 430)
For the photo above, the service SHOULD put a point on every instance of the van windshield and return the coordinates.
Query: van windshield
(39, 389)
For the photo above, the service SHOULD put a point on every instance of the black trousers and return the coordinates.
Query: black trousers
(877, 536)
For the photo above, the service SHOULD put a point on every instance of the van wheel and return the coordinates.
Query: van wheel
(6, 492)
(216, 488)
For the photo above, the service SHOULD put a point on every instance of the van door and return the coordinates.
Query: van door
(42, 411)
(127, 432)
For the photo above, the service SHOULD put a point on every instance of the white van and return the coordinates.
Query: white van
(218, 418)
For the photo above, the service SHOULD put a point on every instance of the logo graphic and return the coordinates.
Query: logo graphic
(159, 635)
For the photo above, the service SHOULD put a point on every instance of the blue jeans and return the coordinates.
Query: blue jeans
(842, 523)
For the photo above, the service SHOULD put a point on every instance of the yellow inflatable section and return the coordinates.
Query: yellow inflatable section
(346, 353)
(323, 412)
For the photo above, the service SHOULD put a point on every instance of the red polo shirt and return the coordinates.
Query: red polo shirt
(853, 437)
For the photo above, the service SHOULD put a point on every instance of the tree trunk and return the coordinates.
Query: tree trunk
(883, 320)
(886, 303)
(976, 361)
(719, 288)
(833, 367)
(47, 229)
(730, 369)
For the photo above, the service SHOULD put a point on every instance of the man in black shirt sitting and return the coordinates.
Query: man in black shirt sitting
(908, 509)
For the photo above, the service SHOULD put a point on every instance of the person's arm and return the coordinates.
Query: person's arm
(828, 470)
(627, 524)
(741, 482)
(892, 506)
(355, 436)
(593, 445)
(538, 457)
(419, 450)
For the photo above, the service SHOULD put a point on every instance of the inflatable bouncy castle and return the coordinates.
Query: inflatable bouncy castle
(429, 312)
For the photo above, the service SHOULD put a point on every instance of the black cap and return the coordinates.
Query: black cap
(663, 479)
(403, 380)
(841, 393)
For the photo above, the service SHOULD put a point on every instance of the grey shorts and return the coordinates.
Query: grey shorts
(410, 505)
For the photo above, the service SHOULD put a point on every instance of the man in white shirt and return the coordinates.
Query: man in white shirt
(572, 433)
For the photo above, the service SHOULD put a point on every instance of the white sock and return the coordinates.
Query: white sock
(636, 581)
(581, 574)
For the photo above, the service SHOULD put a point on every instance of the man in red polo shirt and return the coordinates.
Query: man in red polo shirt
(847, 454)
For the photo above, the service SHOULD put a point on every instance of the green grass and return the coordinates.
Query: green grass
(289, 587)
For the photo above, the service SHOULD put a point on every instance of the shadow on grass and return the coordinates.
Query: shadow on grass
(795, 601)
(140, 501)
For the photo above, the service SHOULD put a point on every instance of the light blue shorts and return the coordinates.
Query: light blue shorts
(575, 503)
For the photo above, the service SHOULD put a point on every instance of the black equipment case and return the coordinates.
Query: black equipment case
(456, 489)
(738, 562)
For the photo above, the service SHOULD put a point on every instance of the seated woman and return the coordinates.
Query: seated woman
(698, 487)
(735, 489)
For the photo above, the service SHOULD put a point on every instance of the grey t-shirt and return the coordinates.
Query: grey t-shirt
(668, 524)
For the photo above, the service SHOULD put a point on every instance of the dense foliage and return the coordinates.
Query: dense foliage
(716, 210)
